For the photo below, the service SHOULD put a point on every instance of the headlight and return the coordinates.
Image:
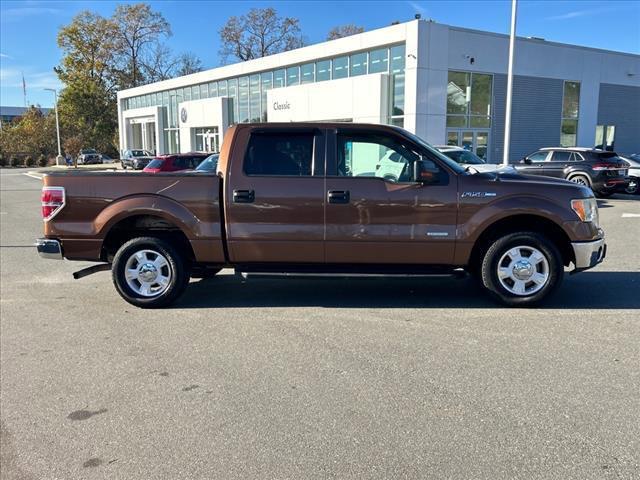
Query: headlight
(586, 209)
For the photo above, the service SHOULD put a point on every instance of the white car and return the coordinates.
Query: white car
(633, 160)
(470, 160)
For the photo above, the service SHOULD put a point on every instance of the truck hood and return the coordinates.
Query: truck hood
(534, 183)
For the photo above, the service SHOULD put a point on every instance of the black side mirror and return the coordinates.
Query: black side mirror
(527, 160)
(426, 172)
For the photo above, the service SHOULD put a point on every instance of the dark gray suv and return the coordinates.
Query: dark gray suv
(136, 159)
(604, 172)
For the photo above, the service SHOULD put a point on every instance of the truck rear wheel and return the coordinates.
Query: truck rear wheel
(520, 269)
(149, 272)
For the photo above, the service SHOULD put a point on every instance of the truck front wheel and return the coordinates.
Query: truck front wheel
(520, 269)
(149, 272)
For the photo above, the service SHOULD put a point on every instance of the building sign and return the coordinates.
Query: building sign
(285, 105)
(183, 115)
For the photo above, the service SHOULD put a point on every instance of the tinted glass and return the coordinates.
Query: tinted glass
(397, 59)
(379, 60)
(293, 76)
(278, 78)
(323, 70)
(288, 154)
(571, 100)
(457, 87)
(464, 157)
(538, 156)
(358, 64)
(568, 133)
(340, 67)
(209, 164)
(561, 156)
(155, 163)
(307, 73)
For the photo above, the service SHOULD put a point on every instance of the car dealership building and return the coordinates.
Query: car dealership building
(446, 84)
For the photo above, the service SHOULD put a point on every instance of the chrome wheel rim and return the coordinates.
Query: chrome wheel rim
(148, 273)
(523, 270)
(580, 181)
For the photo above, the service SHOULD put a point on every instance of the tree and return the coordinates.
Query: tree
(33, 133)
(161, 64)
(138, 28)
(259, 33)
(188, 63)
(342, 31)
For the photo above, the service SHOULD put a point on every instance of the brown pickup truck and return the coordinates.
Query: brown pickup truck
(329, 198)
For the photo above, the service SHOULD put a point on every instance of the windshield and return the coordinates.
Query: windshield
(155, 163)
(209, 164)
(464, 157)
(432, 150)
(140, 153)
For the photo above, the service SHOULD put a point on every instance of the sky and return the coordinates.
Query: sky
(28, 29)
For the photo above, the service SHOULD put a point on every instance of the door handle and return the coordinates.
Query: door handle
(243, 196)
(338, 196)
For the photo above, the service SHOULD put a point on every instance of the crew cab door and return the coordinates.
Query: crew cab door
(274, 196)
(376, 212)
(533, 164)
(556, 165)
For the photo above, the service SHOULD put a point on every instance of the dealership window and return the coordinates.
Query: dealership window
(213, 89)
(570, 110)
(267, 84)
(379, 60)
(323, 70)
(307, 73)
(195, 93)
(222, 88)
(232, 93)
(285, 154)
(243, 99)
(469, 100)
(605, 137)
(279, 78)
(293, 76)
(204, 90)
(255, 108)
(358, 64)
(340, 67)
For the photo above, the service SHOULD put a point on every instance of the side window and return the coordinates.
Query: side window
(374, 156)
(538, 157)
(576, 157)
(561, 156)
(275, 153)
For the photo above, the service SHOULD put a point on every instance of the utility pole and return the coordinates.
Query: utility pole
(507, 119)
(59, 158)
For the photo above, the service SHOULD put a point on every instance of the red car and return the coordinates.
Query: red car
(175, 163)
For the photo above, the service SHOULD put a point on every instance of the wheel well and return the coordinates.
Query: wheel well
(144, 226)
(583, 174)
(521, 223)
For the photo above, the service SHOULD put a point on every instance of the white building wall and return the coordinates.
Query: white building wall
(208, 112)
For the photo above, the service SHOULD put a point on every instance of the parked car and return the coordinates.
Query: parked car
(209, 164)
(175, 163)
(288, 198)
(104, 158)
(604, 172)
(633, 162)
(136, 159)
(88, 156)
(469, 159)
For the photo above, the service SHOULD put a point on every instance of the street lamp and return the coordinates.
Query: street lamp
(59, 158)
(507, 123)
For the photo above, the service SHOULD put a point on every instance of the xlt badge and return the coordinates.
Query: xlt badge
(478, 194)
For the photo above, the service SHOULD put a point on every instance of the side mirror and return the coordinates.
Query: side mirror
(425, 171)
(527, 160)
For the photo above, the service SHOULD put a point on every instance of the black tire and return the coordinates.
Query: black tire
(124, 167)
(179, 268)
(580, 179)
(634, 186)
(492, 257)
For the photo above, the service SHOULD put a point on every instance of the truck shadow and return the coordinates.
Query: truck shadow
(589, 290)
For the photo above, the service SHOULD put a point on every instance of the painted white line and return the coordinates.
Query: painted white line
(37, 176)
(631, 215)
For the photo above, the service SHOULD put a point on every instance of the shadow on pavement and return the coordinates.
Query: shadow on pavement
(588, 290)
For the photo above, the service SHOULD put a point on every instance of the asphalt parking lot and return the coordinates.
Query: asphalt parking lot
(293, 379)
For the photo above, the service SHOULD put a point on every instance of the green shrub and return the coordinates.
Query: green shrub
(42, 161)
(14, 161)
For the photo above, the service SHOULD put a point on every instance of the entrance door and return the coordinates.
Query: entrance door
(275, 197)
(476, 141)
(376, 212)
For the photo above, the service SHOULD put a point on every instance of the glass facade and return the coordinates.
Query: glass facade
(249, 93)
(570, 109)
(469, 100)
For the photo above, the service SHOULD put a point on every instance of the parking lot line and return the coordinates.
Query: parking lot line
(631, 215)
(35, 175)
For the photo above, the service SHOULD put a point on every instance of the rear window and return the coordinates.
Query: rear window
(283, 154)
(155, 163)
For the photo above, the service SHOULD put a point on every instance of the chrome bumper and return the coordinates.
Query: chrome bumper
(588, 254)
(48, 248)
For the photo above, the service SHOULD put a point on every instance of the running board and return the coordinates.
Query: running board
(256, 273)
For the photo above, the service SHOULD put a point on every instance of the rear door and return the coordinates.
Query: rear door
(376, 212)
(557, 163)
(274, 196)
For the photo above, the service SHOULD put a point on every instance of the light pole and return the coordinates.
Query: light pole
(507, 120)
(59, 158)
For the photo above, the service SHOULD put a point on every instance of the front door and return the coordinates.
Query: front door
(275, 197)
(555, 166)
(376, 213)
(533, 164)
(476, 141)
